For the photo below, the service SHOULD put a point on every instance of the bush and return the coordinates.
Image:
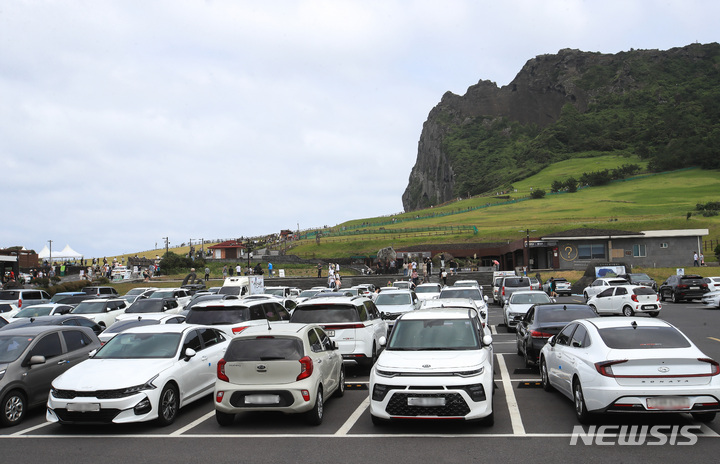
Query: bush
(173, 263)
(537, 193)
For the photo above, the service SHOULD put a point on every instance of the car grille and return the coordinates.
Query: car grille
(104, 416)
(455, 405)
(238, 399)
(99, 394)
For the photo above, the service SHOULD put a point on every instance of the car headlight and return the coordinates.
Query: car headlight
(471, 373)
(138, 388)
(385, 373)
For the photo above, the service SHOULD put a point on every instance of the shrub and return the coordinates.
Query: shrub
(537, 193)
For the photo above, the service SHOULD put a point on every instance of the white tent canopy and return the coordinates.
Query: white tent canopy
(65, 253)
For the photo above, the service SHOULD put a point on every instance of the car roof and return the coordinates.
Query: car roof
(623, 321)
(166, 328)
(435, 313)
(230, 303)
(34, 329)
(448, 303)
(528, 292)
(321, 300)
(291, 328)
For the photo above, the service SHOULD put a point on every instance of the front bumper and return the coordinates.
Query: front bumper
(140, 407)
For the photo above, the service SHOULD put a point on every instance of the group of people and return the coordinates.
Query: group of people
(237, 270)
(698, 260)
(334, 280)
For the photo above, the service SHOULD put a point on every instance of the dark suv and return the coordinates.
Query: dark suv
(105, 292)
(640, 279)
(683, 287)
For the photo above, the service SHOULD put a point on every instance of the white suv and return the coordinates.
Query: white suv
(353, 323)
(627, 300)
(437, 365)
(233, 316)
(101, 310)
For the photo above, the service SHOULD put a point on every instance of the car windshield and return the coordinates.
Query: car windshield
(35, 311)
(308, 293)
(121, 326)
(275, 291)
(324, 314)
(11, 347)
(136, 291)
(471, 293)
(434, 334)
(151, 305)
(89, 307)
(427, 289)
(629, 338)
(140, 345)
(562, 314)
(162, 294)
(59, 296)
(529, 298)
(218, 315)
(393, 298)
(264, 349)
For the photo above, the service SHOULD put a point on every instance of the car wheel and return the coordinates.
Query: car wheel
(594, 309)
(585, 295)
(169, 405)
(703, 416)
(340, 391)
(315, 415)
(544, 379)
(628, 311)
(519, 351)
(581, 411)
(224, 419)
(14, 408)
(526, 357)
(662, 296)
(654, 314)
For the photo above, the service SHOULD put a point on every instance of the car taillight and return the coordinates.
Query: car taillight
(237, 330)
(341, 327)
(306, 368)
(634, 298)
(682, 286)
(715, 367)
(221, 370)
(20, 303)
(538, 334)
(605, 367)
(503, 291)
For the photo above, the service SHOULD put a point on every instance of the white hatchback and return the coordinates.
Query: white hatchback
(437, 365)
(627, 300)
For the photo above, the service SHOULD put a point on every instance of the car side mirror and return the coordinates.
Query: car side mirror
(92, 353)
(37, 359)
(551, 341)
(189, 353)
(485, 297)
(382, 341)
(487, 340)
(553, 300)
(334, 345)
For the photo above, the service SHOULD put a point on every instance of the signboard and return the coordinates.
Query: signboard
(609, 271)
(281, 273)
(680, 271)
(257, 284)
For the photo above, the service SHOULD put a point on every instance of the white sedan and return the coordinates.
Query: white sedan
(711, 299)
(143, 374)
(519, 303)
(623, 365)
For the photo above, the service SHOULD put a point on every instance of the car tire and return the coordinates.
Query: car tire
(526, 358)
(340, 390)
(14, 408)
(594, 309)
(544, 378)
(654, 314)
(703, 416)
(662, 295)
(581, 412)
(315, 415)
(168, 405)
(628, 311)
(224, 419)
(585, 295)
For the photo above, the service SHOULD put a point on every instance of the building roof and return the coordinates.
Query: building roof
(228, 244)
(592, 233)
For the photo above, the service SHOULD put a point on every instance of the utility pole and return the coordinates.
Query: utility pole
(50, 254)
(167, 245)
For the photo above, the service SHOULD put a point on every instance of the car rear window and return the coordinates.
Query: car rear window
(629, 338)
(218, 315)
(325, 314)
(516, 282)
(644, 291)
(264, 349)
(146, 306)
(560, 314)
(9, 295)
(471, 293)
(393, 298)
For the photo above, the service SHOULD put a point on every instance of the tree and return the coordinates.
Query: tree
(556, 186)
(537, 193)
(571, 185)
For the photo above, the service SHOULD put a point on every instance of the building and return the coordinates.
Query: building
(229, 249)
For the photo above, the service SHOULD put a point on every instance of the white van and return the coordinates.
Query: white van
(243, 286)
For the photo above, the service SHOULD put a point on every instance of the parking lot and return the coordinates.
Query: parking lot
(522, 408)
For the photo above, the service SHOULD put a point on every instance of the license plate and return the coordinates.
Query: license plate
(83, 407)
(262, 399)
(694, 288)
(668, 403)
(648, 307)
(330, 333)
(426, 402)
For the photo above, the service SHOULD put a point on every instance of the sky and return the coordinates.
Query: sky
(125, 122)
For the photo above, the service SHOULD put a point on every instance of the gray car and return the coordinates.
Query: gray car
(510, 285)
(30, 358)
(23, 297)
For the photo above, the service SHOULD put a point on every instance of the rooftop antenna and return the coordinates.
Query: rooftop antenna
(268, 323)
(634, 325)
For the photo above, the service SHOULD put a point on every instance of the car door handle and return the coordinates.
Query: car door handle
(64, 361)
(319, 361)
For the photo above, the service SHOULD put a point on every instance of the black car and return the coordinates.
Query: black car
(152, 305)
(541, 322)
(66, 319)
(640, 279)
(683, 287)
(76, 299)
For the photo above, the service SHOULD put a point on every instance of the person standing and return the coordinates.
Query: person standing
(319, 269)
(238, 270)
(270, 269)
(702, 259)
(695, 259)
(225, 272)
(207, 273)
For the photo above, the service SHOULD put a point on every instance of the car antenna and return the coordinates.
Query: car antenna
(268, 323)
(32, 319)
(634, 325)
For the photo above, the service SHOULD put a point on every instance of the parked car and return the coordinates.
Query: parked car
(60, 295)
(64, 319)
(638, 278)
(468, 283)
(182, 295)
(510, 285)
(472, 293)
(711, 299)
(428, 291)
(145, 373)
(683, 287)
(541, 322)
(601, 284)
(640, 365)
(8, 310)
(105, 292)
(519, 303)
(232, 316)
(535, 283)
(47, 309)
(101, 310)
(562, 286)
(404, 284)
(497, 279)
(292, 368)
(128, 321)
(713, 283)
(437, 365)
(31, 357)
(138, 293)
(393, 302)
(154, 305)
(627, 300)
(24, 297)
(353, 323)
(458, 303)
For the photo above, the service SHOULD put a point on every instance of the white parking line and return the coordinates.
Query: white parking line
(193, 424)
(354, 417)
(30, 429)
(515, 418)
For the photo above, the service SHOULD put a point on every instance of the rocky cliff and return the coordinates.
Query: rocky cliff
(534, 99)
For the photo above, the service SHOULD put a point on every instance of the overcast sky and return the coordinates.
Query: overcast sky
(123, 122)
